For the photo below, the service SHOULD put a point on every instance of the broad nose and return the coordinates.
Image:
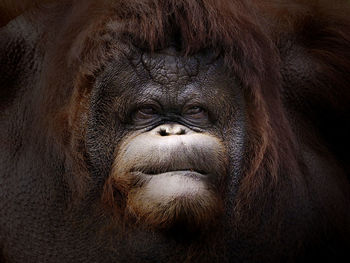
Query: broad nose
(171, 129)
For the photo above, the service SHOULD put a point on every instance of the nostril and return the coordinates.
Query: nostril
(171, 130)
(181, 132)
(163, 132)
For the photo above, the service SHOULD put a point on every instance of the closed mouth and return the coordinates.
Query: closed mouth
(185, 172)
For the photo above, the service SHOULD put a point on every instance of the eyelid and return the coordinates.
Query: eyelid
(149, 103)
(194, 110)
(145, 112)
(147, 107)
(194, 107)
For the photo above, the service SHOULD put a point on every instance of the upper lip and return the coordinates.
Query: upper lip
(155, 172)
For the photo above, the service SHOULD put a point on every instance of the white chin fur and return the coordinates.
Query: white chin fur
(168, 186)
(173, 197)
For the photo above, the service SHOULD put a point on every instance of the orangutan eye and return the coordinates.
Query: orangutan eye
(145, 113)
(195, 112)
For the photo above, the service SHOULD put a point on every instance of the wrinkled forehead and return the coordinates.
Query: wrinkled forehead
(167, 68)
(168, 73)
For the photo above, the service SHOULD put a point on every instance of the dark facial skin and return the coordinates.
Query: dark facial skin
(167, 105)
(118, 154)
(171, 164)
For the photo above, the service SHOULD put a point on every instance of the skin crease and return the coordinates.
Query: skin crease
(182, 168)
(174, 131)
(174, 176)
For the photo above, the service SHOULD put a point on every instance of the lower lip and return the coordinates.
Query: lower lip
(186, 173)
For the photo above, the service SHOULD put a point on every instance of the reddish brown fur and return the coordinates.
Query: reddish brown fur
(272, 168)
(239, 36)
(235, 30)
(10, 9)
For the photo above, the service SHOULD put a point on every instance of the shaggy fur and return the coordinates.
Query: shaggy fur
(292, 59)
